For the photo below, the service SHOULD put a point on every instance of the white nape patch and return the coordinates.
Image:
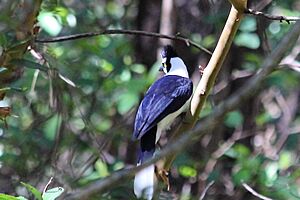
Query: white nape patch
(178, 68)
(144, 183)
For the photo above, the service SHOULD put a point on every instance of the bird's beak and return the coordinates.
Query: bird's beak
(161, 68)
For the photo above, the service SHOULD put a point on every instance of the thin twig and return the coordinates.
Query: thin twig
(252, 191)
(188, 42)
(47, 185)
(206, 189)
(237, 135)
(271, 17)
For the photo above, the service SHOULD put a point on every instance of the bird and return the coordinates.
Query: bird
(165, 100)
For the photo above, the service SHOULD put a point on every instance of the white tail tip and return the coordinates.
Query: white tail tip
(144, 183)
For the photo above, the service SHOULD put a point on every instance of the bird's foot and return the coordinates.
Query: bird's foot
(164, 176)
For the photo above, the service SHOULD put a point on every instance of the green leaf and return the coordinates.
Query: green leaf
(249, 40)
(7, 197)
(271, 171)
(61, 11)
(286, 159)
(101, 168)
(50, 23)
(187, 171)
(50, 128)
(53, 193)
(29, 64)
(37, 194)
(209, 41)
(248, 24)
(243, 175)
(138, 68)
(238, 151)
(263, 118)
(234, 119)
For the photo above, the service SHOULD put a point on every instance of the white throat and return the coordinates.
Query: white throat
(178, 68)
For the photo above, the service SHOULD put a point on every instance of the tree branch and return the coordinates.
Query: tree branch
(271, 17)
(209, 76)
(177, 37)
(249, 89)
(211, 71)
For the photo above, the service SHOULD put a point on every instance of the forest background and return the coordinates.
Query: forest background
(68, 107)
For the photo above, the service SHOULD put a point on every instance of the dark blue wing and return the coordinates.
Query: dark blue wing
(165, 96)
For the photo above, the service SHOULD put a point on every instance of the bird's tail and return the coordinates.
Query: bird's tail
(144, 179)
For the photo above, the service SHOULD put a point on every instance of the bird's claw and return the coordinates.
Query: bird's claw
(164, 176)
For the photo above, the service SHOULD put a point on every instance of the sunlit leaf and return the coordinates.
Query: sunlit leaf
(52, 193)
(101, 168)
(51, 127)
(249, 40)
(103, 124)
(61, 11)
(71, 20)
(118, 165)
(271, 172)
(9, 197)
(248, 24)
(49, 23)
(187, 171)
(286, 159)
(263, 118)
(209, 41)
(138, 68)
(242, 151)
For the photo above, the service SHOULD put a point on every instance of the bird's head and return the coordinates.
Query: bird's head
(171, 63)
(167, 54)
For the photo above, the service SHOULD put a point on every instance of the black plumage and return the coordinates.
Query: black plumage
(165, 96)
(163, 102)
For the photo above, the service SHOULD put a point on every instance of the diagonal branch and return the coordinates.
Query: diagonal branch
(248, 90)
(209, 76)
(177, 37)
